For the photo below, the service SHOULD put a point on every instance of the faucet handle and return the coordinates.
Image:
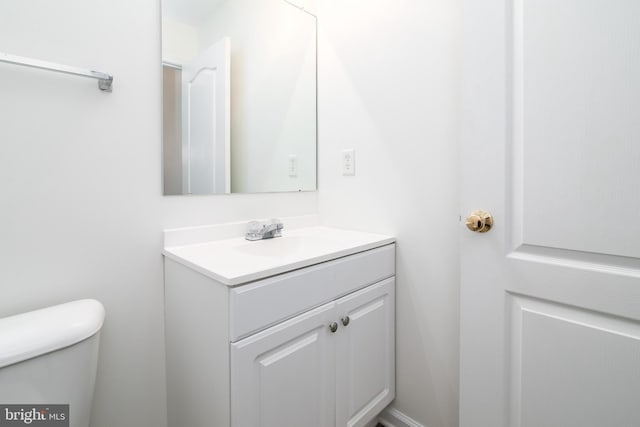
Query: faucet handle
(278, 226)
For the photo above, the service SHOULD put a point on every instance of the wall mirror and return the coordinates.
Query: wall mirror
(239, 96)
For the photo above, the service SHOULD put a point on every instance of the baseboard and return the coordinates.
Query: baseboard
(391, 417)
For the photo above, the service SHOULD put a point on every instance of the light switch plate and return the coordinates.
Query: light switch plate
(293, 165)
(349, 162)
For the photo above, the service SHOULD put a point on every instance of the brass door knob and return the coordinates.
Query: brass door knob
(479, 221)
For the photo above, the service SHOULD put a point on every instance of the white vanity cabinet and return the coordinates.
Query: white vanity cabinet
(312, 347)
(285, 376)
(333, 365)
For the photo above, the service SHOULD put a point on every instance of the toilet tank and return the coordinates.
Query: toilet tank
(50, 356)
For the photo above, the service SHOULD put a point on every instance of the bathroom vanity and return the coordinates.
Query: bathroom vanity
(286, 332)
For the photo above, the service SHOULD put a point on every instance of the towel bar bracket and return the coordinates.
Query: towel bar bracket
(105, 84)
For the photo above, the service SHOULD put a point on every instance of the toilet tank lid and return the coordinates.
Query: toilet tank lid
(37, 332)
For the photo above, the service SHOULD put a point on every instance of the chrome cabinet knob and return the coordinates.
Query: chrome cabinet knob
(333, 327)
(345, 320)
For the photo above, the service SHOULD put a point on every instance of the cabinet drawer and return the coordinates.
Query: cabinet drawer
(258, 305)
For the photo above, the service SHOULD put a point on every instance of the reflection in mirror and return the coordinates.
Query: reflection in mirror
(239, 96)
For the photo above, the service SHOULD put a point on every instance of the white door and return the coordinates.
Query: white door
(365, 354)
(550, 297)
(206, 121)
(285, 376)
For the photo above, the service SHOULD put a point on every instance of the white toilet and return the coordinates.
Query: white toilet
(50, 356)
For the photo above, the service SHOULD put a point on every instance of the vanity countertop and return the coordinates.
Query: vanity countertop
(235, 261)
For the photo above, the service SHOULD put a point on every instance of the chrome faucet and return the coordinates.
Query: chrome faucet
(257, 230)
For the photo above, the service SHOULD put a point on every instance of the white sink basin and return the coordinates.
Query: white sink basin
(235, 261)
(277, 247)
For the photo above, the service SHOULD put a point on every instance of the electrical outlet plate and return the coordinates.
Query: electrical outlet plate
(349, 162)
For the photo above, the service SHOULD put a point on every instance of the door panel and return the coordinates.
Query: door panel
(550, 297)
(576, 127)
(206, 122)
(201, 107)
(365, 376)
(571, 366)
(285, 375)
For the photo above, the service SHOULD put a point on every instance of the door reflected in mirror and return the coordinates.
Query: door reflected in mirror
(239, 96)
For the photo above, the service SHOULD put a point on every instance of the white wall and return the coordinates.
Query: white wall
(179, 41)
(388, 88)
(81, 205)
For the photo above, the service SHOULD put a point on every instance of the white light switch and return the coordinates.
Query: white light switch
(349, 162)
(293, 165)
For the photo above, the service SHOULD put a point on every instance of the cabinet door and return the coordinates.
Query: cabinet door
(365, 354)
(285, 375)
